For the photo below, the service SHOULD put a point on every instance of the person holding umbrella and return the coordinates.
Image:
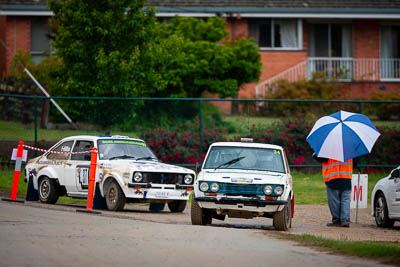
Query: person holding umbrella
(337, 176)
(337, 139)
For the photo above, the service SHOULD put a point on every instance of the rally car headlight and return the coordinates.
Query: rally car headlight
(268, 190)
(138, 177)
(188, 179)
(278, 190)
(214, 187)
(203, 187)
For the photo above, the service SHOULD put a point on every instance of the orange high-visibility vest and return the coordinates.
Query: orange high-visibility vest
(333, 169)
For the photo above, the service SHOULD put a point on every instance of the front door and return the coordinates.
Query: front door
(78, 166)
(395, 196)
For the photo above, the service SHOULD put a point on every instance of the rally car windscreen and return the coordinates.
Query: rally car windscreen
(249, 158)
(124, 149)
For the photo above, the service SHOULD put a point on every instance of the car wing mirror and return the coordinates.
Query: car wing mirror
(395, 173)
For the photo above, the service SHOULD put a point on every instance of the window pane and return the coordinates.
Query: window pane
(260, 30)
(277, 35)
(265, 35)
(82, 146)
(336, 40)
(285, 33)
(321, 40)
(39, 34)
(64, 147)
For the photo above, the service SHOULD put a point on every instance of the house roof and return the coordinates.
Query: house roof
(249, 8)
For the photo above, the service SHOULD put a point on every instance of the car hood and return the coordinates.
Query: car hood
(247, 176)
(152, 166)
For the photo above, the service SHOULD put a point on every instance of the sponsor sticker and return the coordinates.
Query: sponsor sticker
(241, 180)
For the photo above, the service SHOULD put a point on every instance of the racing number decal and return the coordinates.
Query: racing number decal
(82, 175)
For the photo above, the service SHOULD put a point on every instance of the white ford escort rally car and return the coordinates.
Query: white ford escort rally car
(244, 180)
(127, 171)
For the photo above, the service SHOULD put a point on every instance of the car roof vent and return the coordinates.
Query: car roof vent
(246, 140)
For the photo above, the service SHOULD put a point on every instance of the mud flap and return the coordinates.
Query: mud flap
(99, 202)
(156, 206)
(31, 193)
(293, 206)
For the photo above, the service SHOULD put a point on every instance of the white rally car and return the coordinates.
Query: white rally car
(385, 200)
(127, 171)
(244, 180)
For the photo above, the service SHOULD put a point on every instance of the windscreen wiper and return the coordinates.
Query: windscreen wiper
(228, 163)
(122, 157)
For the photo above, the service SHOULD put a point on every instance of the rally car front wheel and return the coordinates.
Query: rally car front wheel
(283, 218)
(198, 215)
(115, 198)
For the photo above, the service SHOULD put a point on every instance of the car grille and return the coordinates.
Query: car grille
(241, 189)
(163, 178)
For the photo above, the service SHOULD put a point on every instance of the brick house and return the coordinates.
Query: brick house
(354, 41)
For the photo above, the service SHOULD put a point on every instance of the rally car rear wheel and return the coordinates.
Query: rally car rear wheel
(177, 205)
(283, 218)
(48, 190)
(198, 215)
(115, 198)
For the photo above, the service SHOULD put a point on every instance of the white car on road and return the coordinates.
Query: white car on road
(385, 200)
(127, 171)
(244, 180)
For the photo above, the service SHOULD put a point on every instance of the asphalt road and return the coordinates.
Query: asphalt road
(34, 234)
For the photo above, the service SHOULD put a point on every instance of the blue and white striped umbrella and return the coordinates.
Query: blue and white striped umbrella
(342, 136)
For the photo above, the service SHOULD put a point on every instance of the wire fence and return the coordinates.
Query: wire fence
(179, 130)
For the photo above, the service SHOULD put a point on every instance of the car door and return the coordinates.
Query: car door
(78, 166)
(394, 195)
(57, 158)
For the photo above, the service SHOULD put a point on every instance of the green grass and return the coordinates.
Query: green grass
(11, 131)
(6, 181)
(382, 251)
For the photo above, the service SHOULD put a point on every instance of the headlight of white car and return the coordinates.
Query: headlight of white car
(278, 190)
(268, 190)
(137, 177)
(214, 187)
(203, 186)
(188, 179)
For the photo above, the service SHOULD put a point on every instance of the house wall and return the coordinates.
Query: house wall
(2, 48)
(16, 35)
(366, 39)
(364, 90)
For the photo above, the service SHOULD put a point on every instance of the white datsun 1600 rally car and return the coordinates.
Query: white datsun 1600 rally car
(127, 171)
(244, 180)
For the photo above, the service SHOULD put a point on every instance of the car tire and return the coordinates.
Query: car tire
(48, 192)
(283, 219)
(177, 205)
(381, 212)
(115, 198)
(198, 215)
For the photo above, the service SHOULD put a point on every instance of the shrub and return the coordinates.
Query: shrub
(384, 111)
(181, 146)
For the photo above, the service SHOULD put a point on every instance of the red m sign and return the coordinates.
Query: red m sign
(359, 193)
